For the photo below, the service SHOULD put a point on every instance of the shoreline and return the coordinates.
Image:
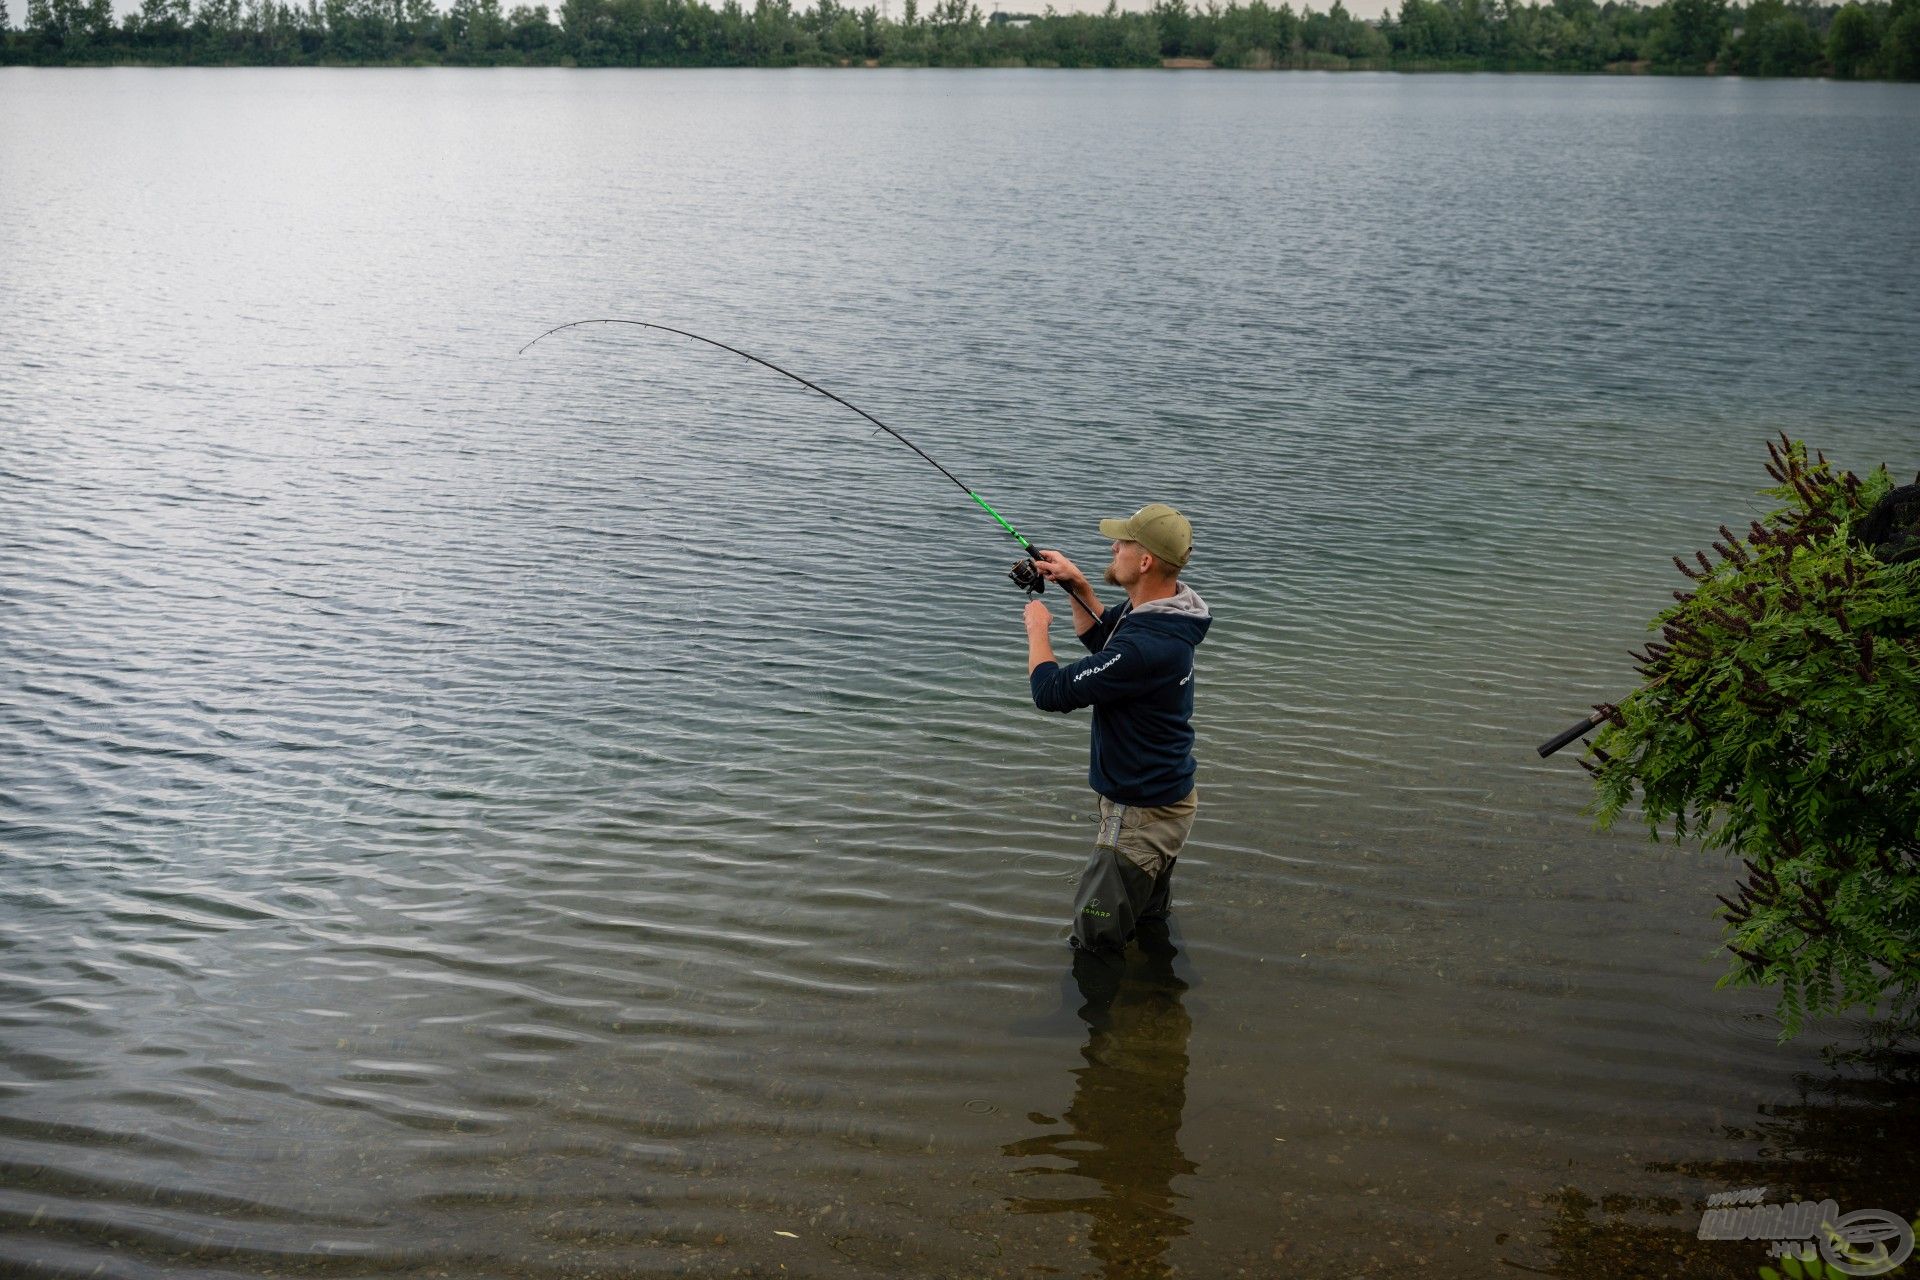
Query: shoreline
(1611, 70)
(1857, 42)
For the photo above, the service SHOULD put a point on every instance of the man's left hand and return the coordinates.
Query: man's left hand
(1038, 618)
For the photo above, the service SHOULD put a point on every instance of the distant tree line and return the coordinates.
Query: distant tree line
(1766, 37)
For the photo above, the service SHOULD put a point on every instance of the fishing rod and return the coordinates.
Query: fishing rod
(1024, 574)
(1602, 712)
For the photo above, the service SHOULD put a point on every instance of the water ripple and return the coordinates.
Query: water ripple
(581, 813)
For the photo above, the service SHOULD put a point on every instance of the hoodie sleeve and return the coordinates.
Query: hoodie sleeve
(1115, 674)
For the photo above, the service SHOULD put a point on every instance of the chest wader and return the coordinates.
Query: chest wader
(1128, 880)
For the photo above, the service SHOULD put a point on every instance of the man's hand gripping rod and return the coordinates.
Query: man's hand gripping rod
(1027, 576)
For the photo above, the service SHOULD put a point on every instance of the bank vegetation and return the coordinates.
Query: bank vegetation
(1764, 38)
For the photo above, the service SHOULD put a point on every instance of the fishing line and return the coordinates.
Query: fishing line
(1023, 574)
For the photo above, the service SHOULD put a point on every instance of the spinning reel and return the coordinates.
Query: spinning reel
(1027, 576)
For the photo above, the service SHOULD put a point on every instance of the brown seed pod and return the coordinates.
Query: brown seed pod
(1808, 922)
(1739, 626)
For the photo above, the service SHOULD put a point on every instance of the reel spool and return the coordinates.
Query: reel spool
(1027, 577)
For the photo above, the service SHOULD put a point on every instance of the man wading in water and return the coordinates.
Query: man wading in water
(1138, 678)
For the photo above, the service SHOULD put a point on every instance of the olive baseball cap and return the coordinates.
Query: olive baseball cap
(1158, 528)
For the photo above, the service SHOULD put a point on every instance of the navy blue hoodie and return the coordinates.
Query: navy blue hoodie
(1139, 682)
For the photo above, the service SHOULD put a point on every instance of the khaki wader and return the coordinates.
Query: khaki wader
(1129, 878)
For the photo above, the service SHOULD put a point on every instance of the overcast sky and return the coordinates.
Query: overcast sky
(1358, 8)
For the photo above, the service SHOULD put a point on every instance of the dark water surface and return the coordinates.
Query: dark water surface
(580, 814)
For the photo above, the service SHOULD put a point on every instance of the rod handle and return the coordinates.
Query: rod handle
(1033, 552)
(1561, 739)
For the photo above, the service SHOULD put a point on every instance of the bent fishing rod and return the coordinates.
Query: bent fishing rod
(1027, 577)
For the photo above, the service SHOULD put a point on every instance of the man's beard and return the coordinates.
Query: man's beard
(1113, 579)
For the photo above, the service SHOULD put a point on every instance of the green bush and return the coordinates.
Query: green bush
(1780, 722)
(1852, 42)
(1901, 48)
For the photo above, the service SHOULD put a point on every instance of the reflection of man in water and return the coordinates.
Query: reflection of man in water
(1125, 1116)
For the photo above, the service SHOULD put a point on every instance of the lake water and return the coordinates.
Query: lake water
(579, 813)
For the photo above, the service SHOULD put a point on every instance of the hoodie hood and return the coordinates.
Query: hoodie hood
(1182, 615)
